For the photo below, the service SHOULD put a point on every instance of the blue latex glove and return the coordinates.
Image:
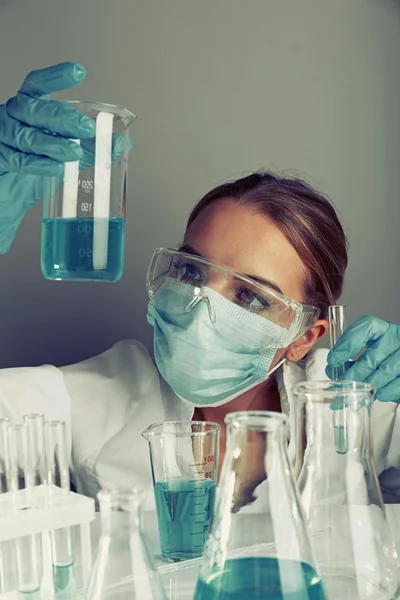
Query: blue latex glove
(33, 141)
(379, 365)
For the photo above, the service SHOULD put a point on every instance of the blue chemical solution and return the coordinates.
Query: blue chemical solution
(340, 433)
(256, 578)
(184, 512)
(64, 582)
(35, 595)
(67, 249)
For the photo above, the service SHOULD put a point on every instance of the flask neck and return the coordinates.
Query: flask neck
(123, 568)
(120, 515)
(256, 448)
(326, 430)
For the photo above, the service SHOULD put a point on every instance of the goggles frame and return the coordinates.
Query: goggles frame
(305, 313)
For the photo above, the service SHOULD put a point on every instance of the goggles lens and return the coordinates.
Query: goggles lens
(255, 298)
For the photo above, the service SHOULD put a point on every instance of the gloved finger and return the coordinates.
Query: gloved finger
(51, 115)
(390, 393)
(35, 141)
(89, 147)
(18, 162)
(361, 333)
(388, 371)
(340, 405)
(118, 145)
(332, 373)
(42, 82)
(375, 356)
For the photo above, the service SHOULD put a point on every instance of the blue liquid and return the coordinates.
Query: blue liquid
(259, 578)
(36, 595)
(184, 513)
(67, 249)
(64, 582)
(340, 433)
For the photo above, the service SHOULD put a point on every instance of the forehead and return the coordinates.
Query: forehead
(235, 236)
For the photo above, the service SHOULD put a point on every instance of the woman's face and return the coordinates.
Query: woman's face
(235, 236)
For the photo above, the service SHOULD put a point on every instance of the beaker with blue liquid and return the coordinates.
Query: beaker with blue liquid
(258, 546)
(83, 227)
(184, 461)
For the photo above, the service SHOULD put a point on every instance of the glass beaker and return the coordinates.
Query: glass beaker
(340, 492)
(123, 568)
(258, 546)
(184, 462)
(83, 228)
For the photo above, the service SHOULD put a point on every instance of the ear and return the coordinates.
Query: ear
(300, 347)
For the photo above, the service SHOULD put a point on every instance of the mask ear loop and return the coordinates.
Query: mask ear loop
(283, 359)
(198, 296)
(276, 367)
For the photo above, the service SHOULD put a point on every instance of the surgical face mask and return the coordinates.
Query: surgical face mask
(208, 349)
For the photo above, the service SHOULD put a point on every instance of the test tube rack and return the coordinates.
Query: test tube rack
(41, 510)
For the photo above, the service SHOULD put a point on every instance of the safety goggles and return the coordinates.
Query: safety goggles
(198, 274)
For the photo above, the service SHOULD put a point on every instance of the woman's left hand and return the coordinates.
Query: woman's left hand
(379, 365)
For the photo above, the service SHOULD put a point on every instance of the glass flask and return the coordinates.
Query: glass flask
(123, 568)
(259, 545)
(340, 492)
(184, 463)
(83, 227)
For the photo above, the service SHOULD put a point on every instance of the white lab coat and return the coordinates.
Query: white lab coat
(107, 401)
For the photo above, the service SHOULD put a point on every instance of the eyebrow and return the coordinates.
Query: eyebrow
(190, 250)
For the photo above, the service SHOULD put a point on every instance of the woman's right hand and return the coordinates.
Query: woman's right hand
(35, 141)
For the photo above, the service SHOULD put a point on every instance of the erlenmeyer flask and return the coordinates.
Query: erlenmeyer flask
(341, 495)
(258, 546)
(123, 567)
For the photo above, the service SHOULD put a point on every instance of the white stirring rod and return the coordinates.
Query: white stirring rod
(70, 190)
(102, 188)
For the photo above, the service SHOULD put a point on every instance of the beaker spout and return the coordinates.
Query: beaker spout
(147, 433)
(157, 429)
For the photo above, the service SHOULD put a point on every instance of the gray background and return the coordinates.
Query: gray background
(220, 87)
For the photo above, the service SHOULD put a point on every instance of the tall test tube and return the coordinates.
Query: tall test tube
(336, 328)
(36, 457)
(4, 456)
(7, 548)
(29, 470)
(61, 539)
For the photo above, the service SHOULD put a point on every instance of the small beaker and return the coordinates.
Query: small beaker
(184, 462)
(123, 568)
(258, 546)
(83, 228)
(340, 492)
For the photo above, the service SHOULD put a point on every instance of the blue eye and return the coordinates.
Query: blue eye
(189, 273)
(251, 300)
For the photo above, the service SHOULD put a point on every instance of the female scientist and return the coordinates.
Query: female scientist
(234, 326)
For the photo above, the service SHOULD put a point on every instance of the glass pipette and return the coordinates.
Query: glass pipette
(336, 328)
